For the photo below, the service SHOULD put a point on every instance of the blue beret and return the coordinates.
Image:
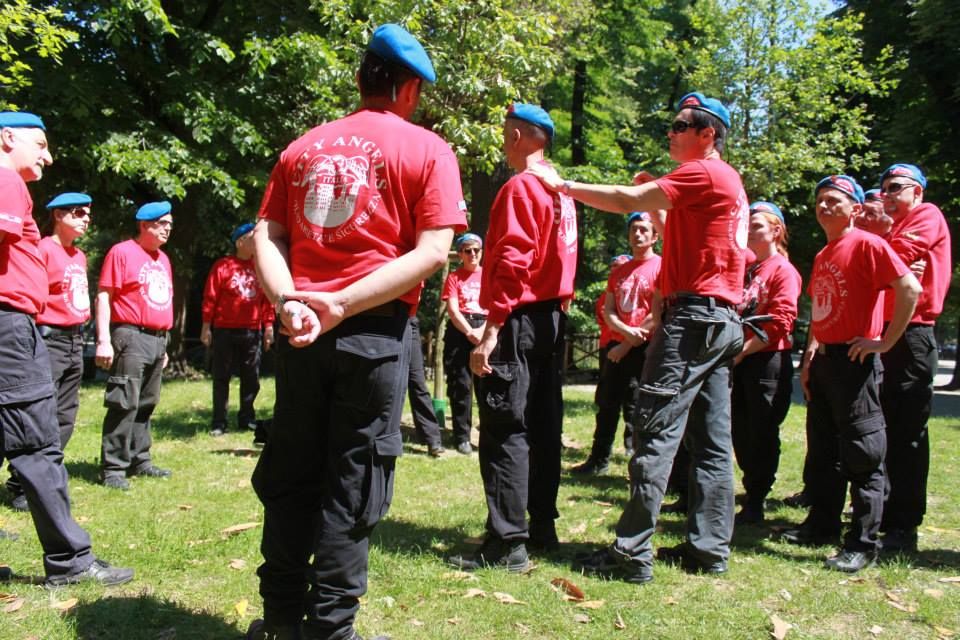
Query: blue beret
(153, 210)
(907, 171)
(842, 183)
(395, 44)
(697, 100)
(241, 231)
(20, 119)
(872, 194)
(767, 207)
(533, 114)
(69, 199)
(637, 215)
(468, 237)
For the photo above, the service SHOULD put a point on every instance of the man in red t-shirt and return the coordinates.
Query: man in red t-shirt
(689, 355)
(357, 213)
(527, 285)
(134, 317)
(466, 317)
(237, 317)
(846, 435)
(30, 439)
(629, 315)
(919, 234)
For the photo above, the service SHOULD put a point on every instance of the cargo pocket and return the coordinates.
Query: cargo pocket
(500, 400)
(367, 371)
(122, 393)
(651, 415)
(384, 452)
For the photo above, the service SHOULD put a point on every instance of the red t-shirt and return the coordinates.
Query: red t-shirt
(23, 280)
(232, 297)
(354, 194)
(68, 299)
(706, 230)
(923, 233)
(848, 275)
(605, 333)
(142, 284)
(531, 247)
(775, 285)
(465, 287)
(633, 284)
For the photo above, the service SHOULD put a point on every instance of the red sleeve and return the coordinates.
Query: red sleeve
(111, 273)
(517, 238)
(210, 290)
(919, 232)
(274, 204)
(449, 287)
(782, 303)
(12, 205)
(887, 266)
(442, 202)
(685, 183)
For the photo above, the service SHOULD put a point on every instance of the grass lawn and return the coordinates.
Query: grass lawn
(196, 581)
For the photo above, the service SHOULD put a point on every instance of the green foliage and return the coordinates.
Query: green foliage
(27, 29)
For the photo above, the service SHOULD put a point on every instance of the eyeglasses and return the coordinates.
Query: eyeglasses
(79, 212)
(896, 187)
(679, 126)
(166, 224)
(472, 250)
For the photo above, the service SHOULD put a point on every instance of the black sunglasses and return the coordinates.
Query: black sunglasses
(472, 250)
(896, 187)
(679, 126)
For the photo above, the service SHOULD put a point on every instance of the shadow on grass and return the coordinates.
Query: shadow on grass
(86, 470)
(146, 617)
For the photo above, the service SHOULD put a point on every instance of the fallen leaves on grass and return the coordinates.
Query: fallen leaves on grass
(462, 576)
(8, 597)
(780, 627)
(895, 601)
(670, 600)
(506, 598)
(64, 606)
(602, 503)
(950, 580)
(786, 595)
(581, 618)
(14, 605)
(454, 621)
(875, 630)
(570, 591)
(238, 564)
(522, 628)
(591, 604)
(619, 623)
(185, 507)
(933, 593)
(241, 607)
(475, 593)
(416, 623)
(578, 529)
(239, 528)
(944, 633)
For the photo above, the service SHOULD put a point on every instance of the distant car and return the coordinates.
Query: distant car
(948, 350)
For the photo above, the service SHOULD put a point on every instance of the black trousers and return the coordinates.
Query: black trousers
(617, 390)
(66, 368)
(30, 441)
(131, 395)
(460, 384)
(236, 352)
(906, 396)
(421, 401)
(762, 385)
(521, 421)
(847, 442)
(325, 476)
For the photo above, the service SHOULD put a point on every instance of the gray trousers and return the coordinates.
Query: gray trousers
(688, 359)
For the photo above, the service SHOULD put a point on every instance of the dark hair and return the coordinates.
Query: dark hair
(702, 119)
(530, 130)
(380, 78)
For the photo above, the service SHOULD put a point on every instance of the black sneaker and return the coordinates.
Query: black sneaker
(259, 631)
(900, 541)
(436, 451)
(151, 472)
(494, 553)
(592, 467)
(19, 503)
(465, 448)
(681, 556)
(116, 482)
(851, 561)
(98, 571)
(6, 574)
(798, 500)
(806, 536)
(604, 563)
(357, 636)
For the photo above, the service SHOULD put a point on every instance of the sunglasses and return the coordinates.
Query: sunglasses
(79, 212)
(166, 224)
(472, 250)
(896, 187)
(679, 126)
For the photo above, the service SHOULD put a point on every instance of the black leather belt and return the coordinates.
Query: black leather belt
(687, 299)
(57, 330)
(388, 309)
(835, 350)
(160, 333)
(476, 317)
(543, 305)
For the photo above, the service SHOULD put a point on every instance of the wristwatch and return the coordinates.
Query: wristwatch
(282, 299)
(566, 187)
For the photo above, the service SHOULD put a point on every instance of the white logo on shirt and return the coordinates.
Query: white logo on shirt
(740, 224)
(829, 294)
(155, 285)
(567, 210)
(76, 292)
(333, 184)
(245, 284)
